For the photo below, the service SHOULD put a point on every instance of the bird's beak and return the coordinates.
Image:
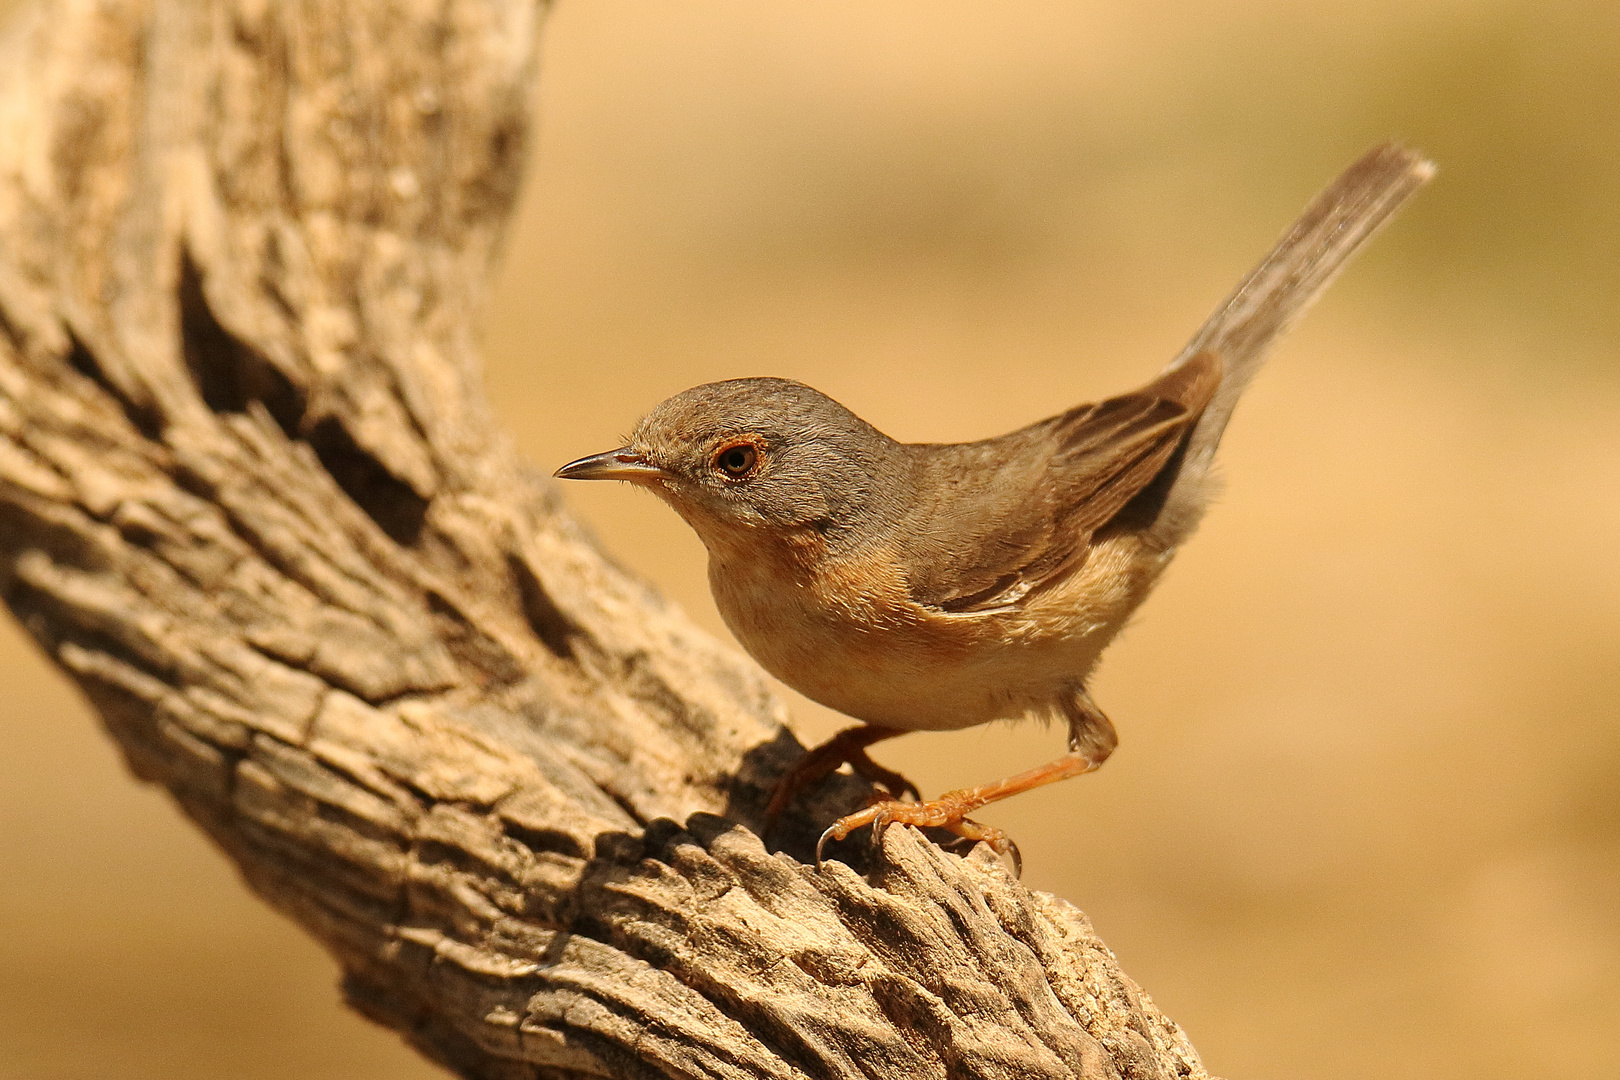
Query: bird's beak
(620, 464)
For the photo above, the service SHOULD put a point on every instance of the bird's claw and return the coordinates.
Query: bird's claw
(841, 828)
(943, 813)
(999, 842)
(821, 843)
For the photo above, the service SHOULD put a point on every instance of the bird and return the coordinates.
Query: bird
(940, 586)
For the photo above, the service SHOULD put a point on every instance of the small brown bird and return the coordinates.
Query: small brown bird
(931, 587)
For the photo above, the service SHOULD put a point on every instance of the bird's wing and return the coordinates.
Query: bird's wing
(1022, 518)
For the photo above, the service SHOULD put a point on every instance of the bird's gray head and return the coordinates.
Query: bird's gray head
(756, 453)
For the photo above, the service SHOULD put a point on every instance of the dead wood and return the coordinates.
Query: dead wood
(252, 501)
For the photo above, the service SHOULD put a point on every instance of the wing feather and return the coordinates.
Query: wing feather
(1018, 512)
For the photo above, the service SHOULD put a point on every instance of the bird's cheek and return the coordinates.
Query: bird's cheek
(677, 499)
(713, 521)
(790, 506)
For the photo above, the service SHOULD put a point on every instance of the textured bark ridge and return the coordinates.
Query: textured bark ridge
(252, 501)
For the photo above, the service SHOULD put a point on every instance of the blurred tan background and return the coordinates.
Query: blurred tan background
(1365, 817)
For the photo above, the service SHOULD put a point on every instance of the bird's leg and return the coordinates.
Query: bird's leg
(846, 747)
(1091, 740)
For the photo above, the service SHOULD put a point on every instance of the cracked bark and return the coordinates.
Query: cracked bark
(252, 501)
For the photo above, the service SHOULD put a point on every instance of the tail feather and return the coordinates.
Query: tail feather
(1304, 262)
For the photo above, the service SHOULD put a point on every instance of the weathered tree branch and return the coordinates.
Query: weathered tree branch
(252, 500)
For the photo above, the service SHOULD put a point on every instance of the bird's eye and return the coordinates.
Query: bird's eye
(737, 460)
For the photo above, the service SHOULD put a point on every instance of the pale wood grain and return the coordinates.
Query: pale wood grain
(252, 500)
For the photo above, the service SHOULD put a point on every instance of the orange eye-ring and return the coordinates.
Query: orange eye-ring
(737, 460)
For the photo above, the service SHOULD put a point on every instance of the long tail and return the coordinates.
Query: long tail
(1302, 264)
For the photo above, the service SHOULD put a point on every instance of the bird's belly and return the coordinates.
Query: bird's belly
(899, 665)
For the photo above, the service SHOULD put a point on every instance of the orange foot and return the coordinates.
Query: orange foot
(847, 747)
(950, 810)
(943, 813)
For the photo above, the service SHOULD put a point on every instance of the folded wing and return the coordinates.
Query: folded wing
(1019, 512)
